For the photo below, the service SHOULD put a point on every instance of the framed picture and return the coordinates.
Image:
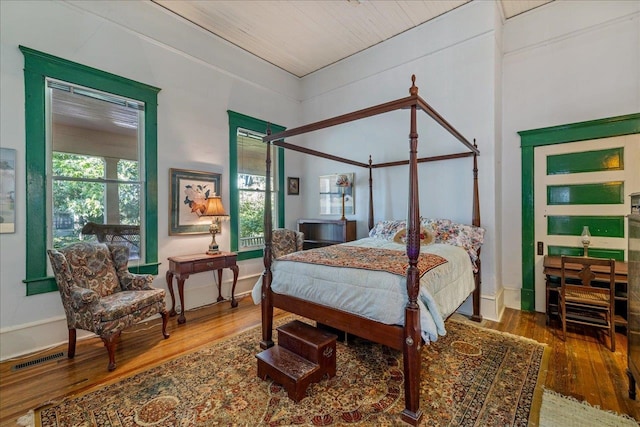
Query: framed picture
(331, 194)
(293, 186)
(188, 192)
(7, 190)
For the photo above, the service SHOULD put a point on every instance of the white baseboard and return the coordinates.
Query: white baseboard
(491, 306)
(512, 298)
(21, 340)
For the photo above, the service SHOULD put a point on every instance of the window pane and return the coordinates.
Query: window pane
(252, 182)
(252, 218)
(96, 172)
(128, 170)
(77, 166)
(129, 197)
(74, 204)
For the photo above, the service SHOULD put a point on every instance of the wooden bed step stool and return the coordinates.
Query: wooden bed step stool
(303, 355)
(313, 344)
(284, 367)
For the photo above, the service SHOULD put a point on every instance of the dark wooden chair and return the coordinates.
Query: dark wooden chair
(584, 304)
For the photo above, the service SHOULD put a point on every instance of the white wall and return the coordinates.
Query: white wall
(565, 62)
(454, 60)
(200, 77)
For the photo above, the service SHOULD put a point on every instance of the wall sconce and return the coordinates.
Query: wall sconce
(343, 182)
(217, 213)
(585, 237)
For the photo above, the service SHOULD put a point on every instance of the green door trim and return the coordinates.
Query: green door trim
(529, 140)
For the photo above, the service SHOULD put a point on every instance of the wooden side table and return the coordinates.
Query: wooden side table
(182, 266)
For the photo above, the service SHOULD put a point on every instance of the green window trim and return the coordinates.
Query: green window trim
(38, 66)
(530, 139)
(238, 120)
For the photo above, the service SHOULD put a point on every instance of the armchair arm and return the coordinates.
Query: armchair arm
(128, 281)
(81, 297)
(135, 282)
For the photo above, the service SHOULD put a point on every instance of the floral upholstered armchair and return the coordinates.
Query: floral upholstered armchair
(100, 295)
(284, 241)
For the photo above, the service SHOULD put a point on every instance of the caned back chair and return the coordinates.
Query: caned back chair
(582, 303)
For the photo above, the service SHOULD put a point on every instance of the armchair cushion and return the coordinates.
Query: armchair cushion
(125, 303)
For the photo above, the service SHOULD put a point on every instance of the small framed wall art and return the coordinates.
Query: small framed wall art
(7, 190)
(188, 193)
(293, 186)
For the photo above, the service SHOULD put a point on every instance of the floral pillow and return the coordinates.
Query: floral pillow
(387, 229)
(468, 237)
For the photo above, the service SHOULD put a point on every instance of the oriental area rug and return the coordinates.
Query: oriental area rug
(470, 377)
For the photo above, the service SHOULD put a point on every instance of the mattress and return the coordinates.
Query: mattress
(379, 295)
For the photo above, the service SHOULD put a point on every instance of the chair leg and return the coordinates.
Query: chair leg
(110, 343)
(564, 323)
(612, 333)
(71, 350)
(165, 320)
(546, 304)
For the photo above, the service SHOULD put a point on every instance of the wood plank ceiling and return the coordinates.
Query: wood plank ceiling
(298, 36)
(303, 36)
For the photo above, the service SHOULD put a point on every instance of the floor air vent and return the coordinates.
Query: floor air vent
(38, 361)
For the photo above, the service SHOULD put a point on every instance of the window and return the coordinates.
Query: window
(95, 171)
(248, 184)
(120, 186)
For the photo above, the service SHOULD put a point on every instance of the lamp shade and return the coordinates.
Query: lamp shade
(586, 235)
(342, 181)
(214, 207)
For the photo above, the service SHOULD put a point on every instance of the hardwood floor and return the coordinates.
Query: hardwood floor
(581, 367)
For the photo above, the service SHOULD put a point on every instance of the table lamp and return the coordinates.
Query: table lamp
(585, 237)
(215, 210)
(343, 182)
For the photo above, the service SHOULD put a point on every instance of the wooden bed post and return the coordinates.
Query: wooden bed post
(370, 195)
(475, 218)
(267, 303)
(412, 331)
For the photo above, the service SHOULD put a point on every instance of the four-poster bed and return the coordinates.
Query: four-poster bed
(407, 336)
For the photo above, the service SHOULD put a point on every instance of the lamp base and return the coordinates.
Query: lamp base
(213, 246)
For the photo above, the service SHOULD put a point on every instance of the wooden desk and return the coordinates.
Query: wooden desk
(552, 283)
(182, 266)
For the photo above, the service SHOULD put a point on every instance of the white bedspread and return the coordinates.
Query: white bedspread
(379, 295)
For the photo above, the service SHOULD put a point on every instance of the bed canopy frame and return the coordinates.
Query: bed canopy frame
(407, 337)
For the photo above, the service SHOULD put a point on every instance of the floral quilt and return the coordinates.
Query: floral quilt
(378, 259)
